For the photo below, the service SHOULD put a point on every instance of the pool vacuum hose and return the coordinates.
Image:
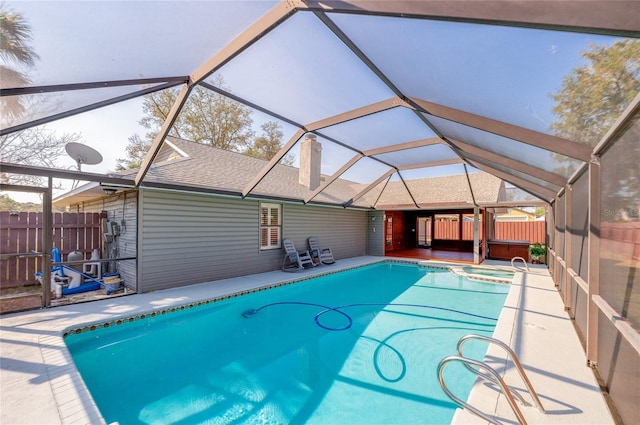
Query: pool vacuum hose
(252, 312)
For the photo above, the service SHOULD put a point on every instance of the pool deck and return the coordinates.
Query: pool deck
(40, 384)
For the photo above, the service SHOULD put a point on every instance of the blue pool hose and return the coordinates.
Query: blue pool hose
(316, 319)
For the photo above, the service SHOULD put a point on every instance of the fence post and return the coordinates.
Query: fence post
(47, 243)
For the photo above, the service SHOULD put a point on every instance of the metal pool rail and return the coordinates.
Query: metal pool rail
(492, 376)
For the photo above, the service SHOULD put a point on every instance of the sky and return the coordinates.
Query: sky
(86, 41)
(504, 73)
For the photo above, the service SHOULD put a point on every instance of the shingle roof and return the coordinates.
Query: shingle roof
(194, 164)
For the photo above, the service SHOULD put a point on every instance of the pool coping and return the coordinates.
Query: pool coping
(92, 326)
(71, 401)
(566, 385)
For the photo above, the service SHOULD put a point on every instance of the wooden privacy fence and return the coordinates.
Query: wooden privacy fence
(22, 233)
(450, 230)
(621, 238)
(532, 231)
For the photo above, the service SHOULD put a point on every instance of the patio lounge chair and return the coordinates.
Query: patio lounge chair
(295, 260)
(318, 254)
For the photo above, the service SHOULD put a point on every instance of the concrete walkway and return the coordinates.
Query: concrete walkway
(40, 384)
(536, 327)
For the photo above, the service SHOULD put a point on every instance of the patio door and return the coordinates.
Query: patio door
(423, 234)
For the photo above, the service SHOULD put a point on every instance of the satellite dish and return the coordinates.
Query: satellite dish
(83, 154)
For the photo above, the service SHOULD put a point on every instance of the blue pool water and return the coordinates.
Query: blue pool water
(355, 347)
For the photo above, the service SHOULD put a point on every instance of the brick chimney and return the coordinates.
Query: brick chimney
(310, 161)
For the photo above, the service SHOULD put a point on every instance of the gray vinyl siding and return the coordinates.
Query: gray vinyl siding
(187, 238)
(127, 216)
(123, 209)
(344, 231)
(375, 233)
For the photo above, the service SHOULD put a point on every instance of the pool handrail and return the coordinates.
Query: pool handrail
(514, 358)
(505, 389)
(526, 266)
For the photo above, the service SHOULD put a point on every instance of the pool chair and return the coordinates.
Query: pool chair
(295, 260)
(320, 255)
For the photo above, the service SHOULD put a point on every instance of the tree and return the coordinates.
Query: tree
(136, 151)
(590, 101)
(268, 144)
(216, 120)
(34, 146)
(540, 212)
(208, 118)
(156, 107)
(594, 95)
(15, 33)
(8, 204)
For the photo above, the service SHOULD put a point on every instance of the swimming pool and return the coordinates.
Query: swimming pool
(359, 346)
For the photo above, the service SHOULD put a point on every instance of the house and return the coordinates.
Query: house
(175, 238)
(516, 214)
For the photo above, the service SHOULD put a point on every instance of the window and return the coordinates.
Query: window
(270, 226)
